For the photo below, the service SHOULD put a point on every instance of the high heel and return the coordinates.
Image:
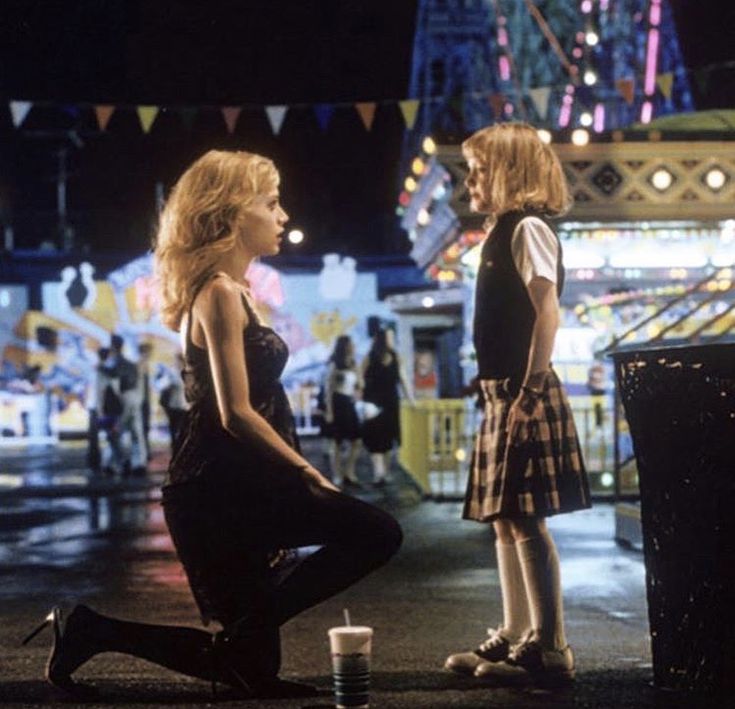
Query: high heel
(65, 655)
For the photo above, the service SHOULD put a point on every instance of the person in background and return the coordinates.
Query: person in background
(145, 349)
(341, 387)
(109, 408)
(238, 490)
(131, 419)
(171, 396)
(383, 375)
(526, 464)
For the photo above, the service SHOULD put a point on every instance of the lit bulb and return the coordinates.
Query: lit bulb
(544, 136)
(715, 179)
(417, 166)
(661, 179)
(586, 119)
(427, 301)
(423, 217)
(591, 38)
(429, 145)
(410, 184)
(295, 236)
(590, 78)
(580, 136)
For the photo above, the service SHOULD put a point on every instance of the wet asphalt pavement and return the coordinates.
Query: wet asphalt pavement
(68, 538)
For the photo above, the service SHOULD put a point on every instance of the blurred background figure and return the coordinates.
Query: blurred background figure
(341, 388)
(132, 459)
(382, 375)
(145, 349)
(109, 408)
(170, 389)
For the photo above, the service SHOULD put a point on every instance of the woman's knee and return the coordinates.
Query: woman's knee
(503, 531)
(523, 529)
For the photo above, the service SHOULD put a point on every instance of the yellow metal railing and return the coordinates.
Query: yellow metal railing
(435, 444)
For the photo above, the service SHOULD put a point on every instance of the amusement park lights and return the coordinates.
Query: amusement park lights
(544, 136)
(428, 145)
(662, 179)
(295, 236)
(423, 217)
(418, 166)
(715, 179)
(580, 137)
(590, 77)
(585, 119)
(410, 184)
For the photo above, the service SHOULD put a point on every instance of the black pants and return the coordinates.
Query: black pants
(225, 538)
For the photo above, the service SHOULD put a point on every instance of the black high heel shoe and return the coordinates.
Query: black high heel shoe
(65, 655)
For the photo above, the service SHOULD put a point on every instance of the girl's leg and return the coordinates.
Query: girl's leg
(336, 462)
(356, 538)
(352, 455)
(516, 616)
(539, 562)
(379, 470)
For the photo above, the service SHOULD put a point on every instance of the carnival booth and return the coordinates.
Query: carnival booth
(649, 248)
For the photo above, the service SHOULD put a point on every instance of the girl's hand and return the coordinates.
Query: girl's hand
(522, 411)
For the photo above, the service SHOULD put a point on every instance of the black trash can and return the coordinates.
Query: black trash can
(680, 406)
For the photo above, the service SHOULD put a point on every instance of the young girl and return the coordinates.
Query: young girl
(526, 464)
(341, 386)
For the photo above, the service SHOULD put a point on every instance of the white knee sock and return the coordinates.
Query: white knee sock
(540, 567)
(516, 618)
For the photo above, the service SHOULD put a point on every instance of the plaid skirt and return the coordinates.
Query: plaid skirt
(542, 476)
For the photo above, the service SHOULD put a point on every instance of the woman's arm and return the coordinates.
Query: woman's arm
(328, 392)
(219, 311)
(403, 380)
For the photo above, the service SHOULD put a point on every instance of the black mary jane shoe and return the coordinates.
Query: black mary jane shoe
(66, 655)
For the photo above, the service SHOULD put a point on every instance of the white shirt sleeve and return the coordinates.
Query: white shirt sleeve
(534, 249)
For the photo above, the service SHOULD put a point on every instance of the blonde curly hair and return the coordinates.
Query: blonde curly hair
(522, 172)
(201, 221)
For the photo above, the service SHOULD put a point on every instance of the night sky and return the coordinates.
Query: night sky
(339, 186)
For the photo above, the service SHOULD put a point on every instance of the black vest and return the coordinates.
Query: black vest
(504, 314)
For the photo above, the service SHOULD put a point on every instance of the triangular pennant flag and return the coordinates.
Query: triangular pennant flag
(103, 113)
(276, 116)
(409, 109)
(19, 111)
(188, 116)
(540, 97)
(367, 113)
(665, 83)
(497, 101)
(323, 113)
(147, 115)
(231, 114)
(626, 87)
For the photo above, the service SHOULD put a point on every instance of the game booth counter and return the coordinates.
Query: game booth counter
(649, 251)
(49, 352)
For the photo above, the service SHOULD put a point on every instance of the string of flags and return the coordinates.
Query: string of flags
(323, 112)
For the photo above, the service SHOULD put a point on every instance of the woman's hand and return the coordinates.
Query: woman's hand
(522, 411)
(314, 476)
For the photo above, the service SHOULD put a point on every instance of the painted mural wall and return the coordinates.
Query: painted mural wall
(48, 357)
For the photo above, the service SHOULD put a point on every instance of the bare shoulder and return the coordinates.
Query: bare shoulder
(220, 300)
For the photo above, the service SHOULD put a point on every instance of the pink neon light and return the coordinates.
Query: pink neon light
(586, 6)
(646, 112)
(599, 121)
(502, 37)
(564, 115)
(655, 16)
(504, 68)
(651, 61)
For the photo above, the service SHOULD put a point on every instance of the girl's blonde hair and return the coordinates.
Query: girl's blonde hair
(522, 172)
(201, 221)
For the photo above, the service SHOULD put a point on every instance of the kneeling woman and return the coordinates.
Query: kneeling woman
(238, 489)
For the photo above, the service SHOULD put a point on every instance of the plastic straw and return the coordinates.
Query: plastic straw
(347, 617)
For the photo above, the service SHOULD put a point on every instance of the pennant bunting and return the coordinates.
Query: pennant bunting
(665, 83)
(103, 113)
(276, 116)
(147, 114)
(409, 110)
(188, 116)
(231, 114)
(497, 102)
(19, 110)
(323, 113)
(540, 98)
(626, 88)
(367, 113)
